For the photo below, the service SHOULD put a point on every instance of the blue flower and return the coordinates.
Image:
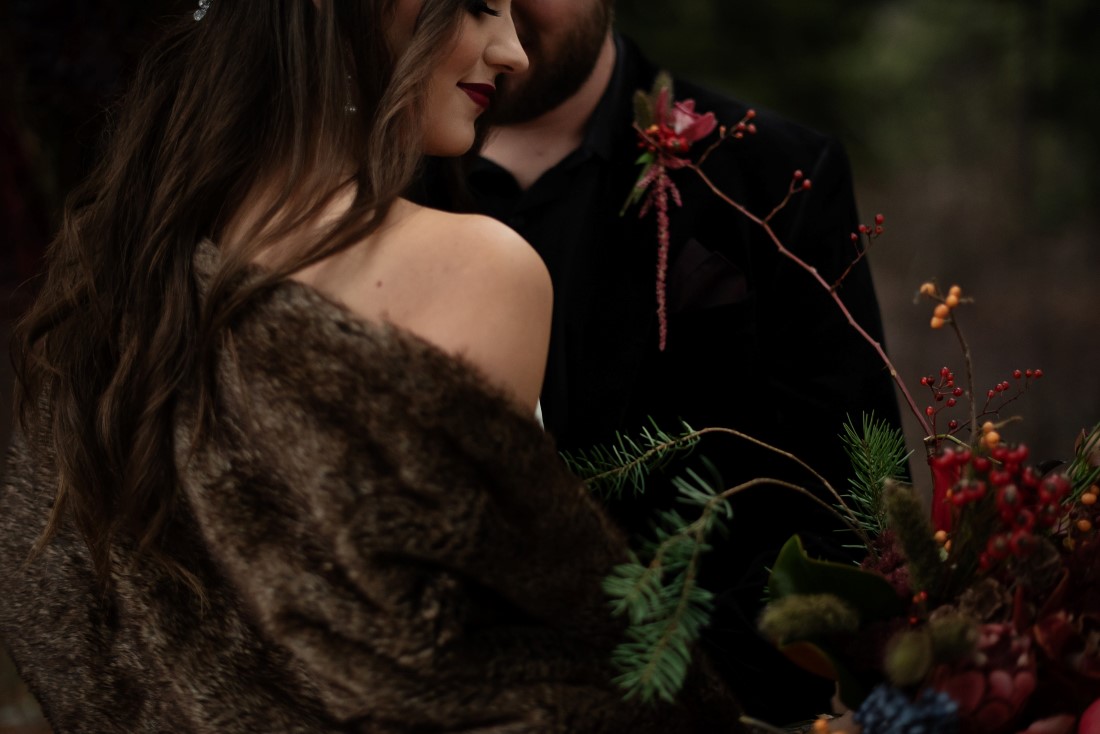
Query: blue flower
(890, 711)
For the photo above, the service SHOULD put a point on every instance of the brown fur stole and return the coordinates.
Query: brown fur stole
(386, 546)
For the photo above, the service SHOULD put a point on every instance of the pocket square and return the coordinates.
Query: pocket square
(700, 278)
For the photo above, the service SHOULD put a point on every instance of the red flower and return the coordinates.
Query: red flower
(945, 475)
(677, 126)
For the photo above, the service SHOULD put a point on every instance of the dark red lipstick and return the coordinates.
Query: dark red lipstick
(482, 94)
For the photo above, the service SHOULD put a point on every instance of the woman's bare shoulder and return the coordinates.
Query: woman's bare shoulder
(485, 294)
(481, 241)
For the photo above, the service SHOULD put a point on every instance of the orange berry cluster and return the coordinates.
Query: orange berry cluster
(1088, 507)
(990, 437)
(821, 726)
(942, 312)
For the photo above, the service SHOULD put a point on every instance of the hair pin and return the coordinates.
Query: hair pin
(204, 5)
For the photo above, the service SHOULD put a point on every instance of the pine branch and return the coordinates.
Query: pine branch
(628, 462)
(877, 454)
(1083, 471)
(666, 607)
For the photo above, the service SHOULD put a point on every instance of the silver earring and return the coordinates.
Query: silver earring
(349, 106)
(204, 5)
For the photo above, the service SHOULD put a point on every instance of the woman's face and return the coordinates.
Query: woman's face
(464, 82)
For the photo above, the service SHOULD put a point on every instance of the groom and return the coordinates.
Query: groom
(753, 342)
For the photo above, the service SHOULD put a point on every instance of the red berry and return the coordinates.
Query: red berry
(929, 411)
(855, 237)
(1038, 374)
(951, 402)
(924, 380)
(879, 230)
(997, 548)
(1017, 374)
(1022, 543)
(806, 185)
(957, 392)
(981, 464)
(1056, 486)
(953, 425)
(990, 394)
(1008, 497)
(1049, 515)
(944, 372)
(798, 174)
(864, 229)
(879, 219)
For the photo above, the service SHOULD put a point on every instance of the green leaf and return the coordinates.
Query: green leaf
(795, 572)
(643, 110)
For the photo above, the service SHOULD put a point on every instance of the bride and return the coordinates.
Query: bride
(276, 468)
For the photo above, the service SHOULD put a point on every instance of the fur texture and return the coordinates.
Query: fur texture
(386, 545)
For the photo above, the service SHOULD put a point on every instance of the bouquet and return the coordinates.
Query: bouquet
(980, 613)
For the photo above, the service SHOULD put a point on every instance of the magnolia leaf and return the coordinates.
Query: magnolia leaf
(810, 657)
(851, 689)
(796, 573)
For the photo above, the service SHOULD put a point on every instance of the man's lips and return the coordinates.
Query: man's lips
(482, 94)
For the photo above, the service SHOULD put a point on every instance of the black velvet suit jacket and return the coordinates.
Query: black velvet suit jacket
(754, 344)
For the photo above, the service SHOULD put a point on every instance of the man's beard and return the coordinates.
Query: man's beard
(556, 73)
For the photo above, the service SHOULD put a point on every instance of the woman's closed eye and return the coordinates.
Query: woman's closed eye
(480, 7)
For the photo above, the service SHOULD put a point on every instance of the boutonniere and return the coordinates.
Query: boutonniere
(666, 130)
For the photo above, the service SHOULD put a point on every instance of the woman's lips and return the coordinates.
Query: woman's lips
(481, 94)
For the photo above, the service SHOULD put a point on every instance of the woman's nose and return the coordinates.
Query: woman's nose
(506, 52)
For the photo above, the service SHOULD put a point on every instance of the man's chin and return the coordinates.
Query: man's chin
(514, 107)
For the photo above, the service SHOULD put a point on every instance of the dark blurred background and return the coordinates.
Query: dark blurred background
(971, 125)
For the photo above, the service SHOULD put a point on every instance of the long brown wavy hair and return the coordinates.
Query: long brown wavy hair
(256, 95)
